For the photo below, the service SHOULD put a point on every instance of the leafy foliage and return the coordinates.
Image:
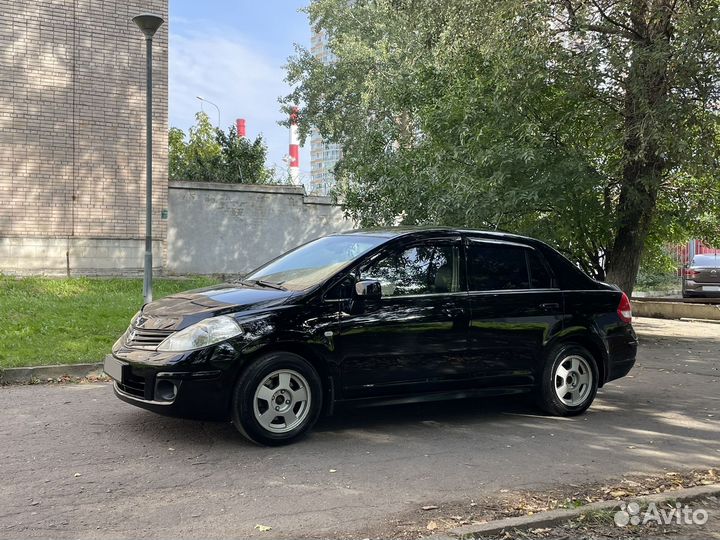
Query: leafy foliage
(212, 155)
(591, 124)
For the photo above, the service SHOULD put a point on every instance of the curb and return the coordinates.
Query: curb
(26, 375)
(557, 517)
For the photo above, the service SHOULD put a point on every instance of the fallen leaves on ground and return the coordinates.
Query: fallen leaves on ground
(506, 503)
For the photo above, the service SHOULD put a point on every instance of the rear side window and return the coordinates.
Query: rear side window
(496, 267)
(540, 277)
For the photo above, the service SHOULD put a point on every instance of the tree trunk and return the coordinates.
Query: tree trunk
(635, 212)
(646, 88)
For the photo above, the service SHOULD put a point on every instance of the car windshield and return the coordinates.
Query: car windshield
(313, 262)
(706, 260)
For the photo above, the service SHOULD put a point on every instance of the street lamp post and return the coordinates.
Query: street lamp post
(211, 103)
(148, 24)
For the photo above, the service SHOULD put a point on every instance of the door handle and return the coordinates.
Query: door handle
(453, 312)
(550, 306)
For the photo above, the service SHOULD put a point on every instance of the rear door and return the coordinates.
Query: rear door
(515, 307)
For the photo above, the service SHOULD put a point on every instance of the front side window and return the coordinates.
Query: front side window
(430, 268)
(316, 261)
(493, 267)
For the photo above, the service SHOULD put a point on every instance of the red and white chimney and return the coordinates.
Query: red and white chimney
(294, 151)
(240, 125)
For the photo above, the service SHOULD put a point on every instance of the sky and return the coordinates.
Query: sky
(232, 52)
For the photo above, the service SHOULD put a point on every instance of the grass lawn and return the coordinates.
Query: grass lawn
(74, 320)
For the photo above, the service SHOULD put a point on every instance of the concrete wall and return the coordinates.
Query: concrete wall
(72, 134)
(84, 256)
(224, 228)
(675, 310)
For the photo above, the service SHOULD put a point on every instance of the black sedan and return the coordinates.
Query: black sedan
(394, 315)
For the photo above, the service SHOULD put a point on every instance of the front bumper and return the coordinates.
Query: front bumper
(202, 392)
(197, 400)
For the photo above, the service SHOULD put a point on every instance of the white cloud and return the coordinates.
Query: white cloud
(220, 66)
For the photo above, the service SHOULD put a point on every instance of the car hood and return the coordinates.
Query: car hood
(179, 310)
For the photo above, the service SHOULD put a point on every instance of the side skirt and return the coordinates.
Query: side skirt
(434, 396)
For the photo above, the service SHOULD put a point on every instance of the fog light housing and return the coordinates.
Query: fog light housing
(165, 390)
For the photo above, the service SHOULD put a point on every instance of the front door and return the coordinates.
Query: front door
(414, 337)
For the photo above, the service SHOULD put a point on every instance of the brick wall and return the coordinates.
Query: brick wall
(72, 133)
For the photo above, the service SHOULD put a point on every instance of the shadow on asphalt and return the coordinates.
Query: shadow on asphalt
(461, 411)
(390, 418)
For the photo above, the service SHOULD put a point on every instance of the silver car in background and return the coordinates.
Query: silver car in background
(702, 276)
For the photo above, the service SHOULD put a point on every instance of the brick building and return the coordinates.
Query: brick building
(72, 136)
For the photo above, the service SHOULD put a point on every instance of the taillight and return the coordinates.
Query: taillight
(690, 273)
(624, 310)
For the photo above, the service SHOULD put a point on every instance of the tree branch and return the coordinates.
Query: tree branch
(615, 22)
(616, 29)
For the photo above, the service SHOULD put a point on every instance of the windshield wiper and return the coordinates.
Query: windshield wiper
(268, 284)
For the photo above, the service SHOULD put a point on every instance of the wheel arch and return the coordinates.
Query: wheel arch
(327, 377)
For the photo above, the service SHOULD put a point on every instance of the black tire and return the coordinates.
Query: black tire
(547, 396)
(243, 401)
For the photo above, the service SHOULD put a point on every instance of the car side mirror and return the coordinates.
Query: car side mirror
(369, 289)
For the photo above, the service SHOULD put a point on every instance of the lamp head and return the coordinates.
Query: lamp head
(148, 23)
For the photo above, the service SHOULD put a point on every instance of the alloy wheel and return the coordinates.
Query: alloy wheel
(573, 380)
(282, 401)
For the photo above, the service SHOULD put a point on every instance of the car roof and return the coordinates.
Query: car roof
(573, 277)
(393, 232)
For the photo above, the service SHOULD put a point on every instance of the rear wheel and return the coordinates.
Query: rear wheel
(569, 381)
(277, 399)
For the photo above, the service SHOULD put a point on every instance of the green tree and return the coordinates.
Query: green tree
(204, 154)
(211, 155)
(243, 161)
(177, 158)
(590, 123)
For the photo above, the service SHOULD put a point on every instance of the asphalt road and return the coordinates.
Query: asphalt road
(75, 462)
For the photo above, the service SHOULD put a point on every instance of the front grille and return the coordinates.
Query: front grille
(141, 338)
(132, 384)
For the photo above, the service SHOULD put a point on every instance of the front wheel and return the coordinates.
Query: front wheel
(277, 399)
(569, 381)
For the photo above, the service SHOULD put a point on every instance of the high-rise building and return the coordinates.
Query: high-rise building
(323, 155)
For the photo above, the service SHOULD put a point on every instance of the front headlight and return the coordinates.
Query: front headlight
(202, 334)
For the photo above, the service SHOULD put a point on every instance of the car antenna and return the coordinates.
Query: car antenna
(497, 223)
